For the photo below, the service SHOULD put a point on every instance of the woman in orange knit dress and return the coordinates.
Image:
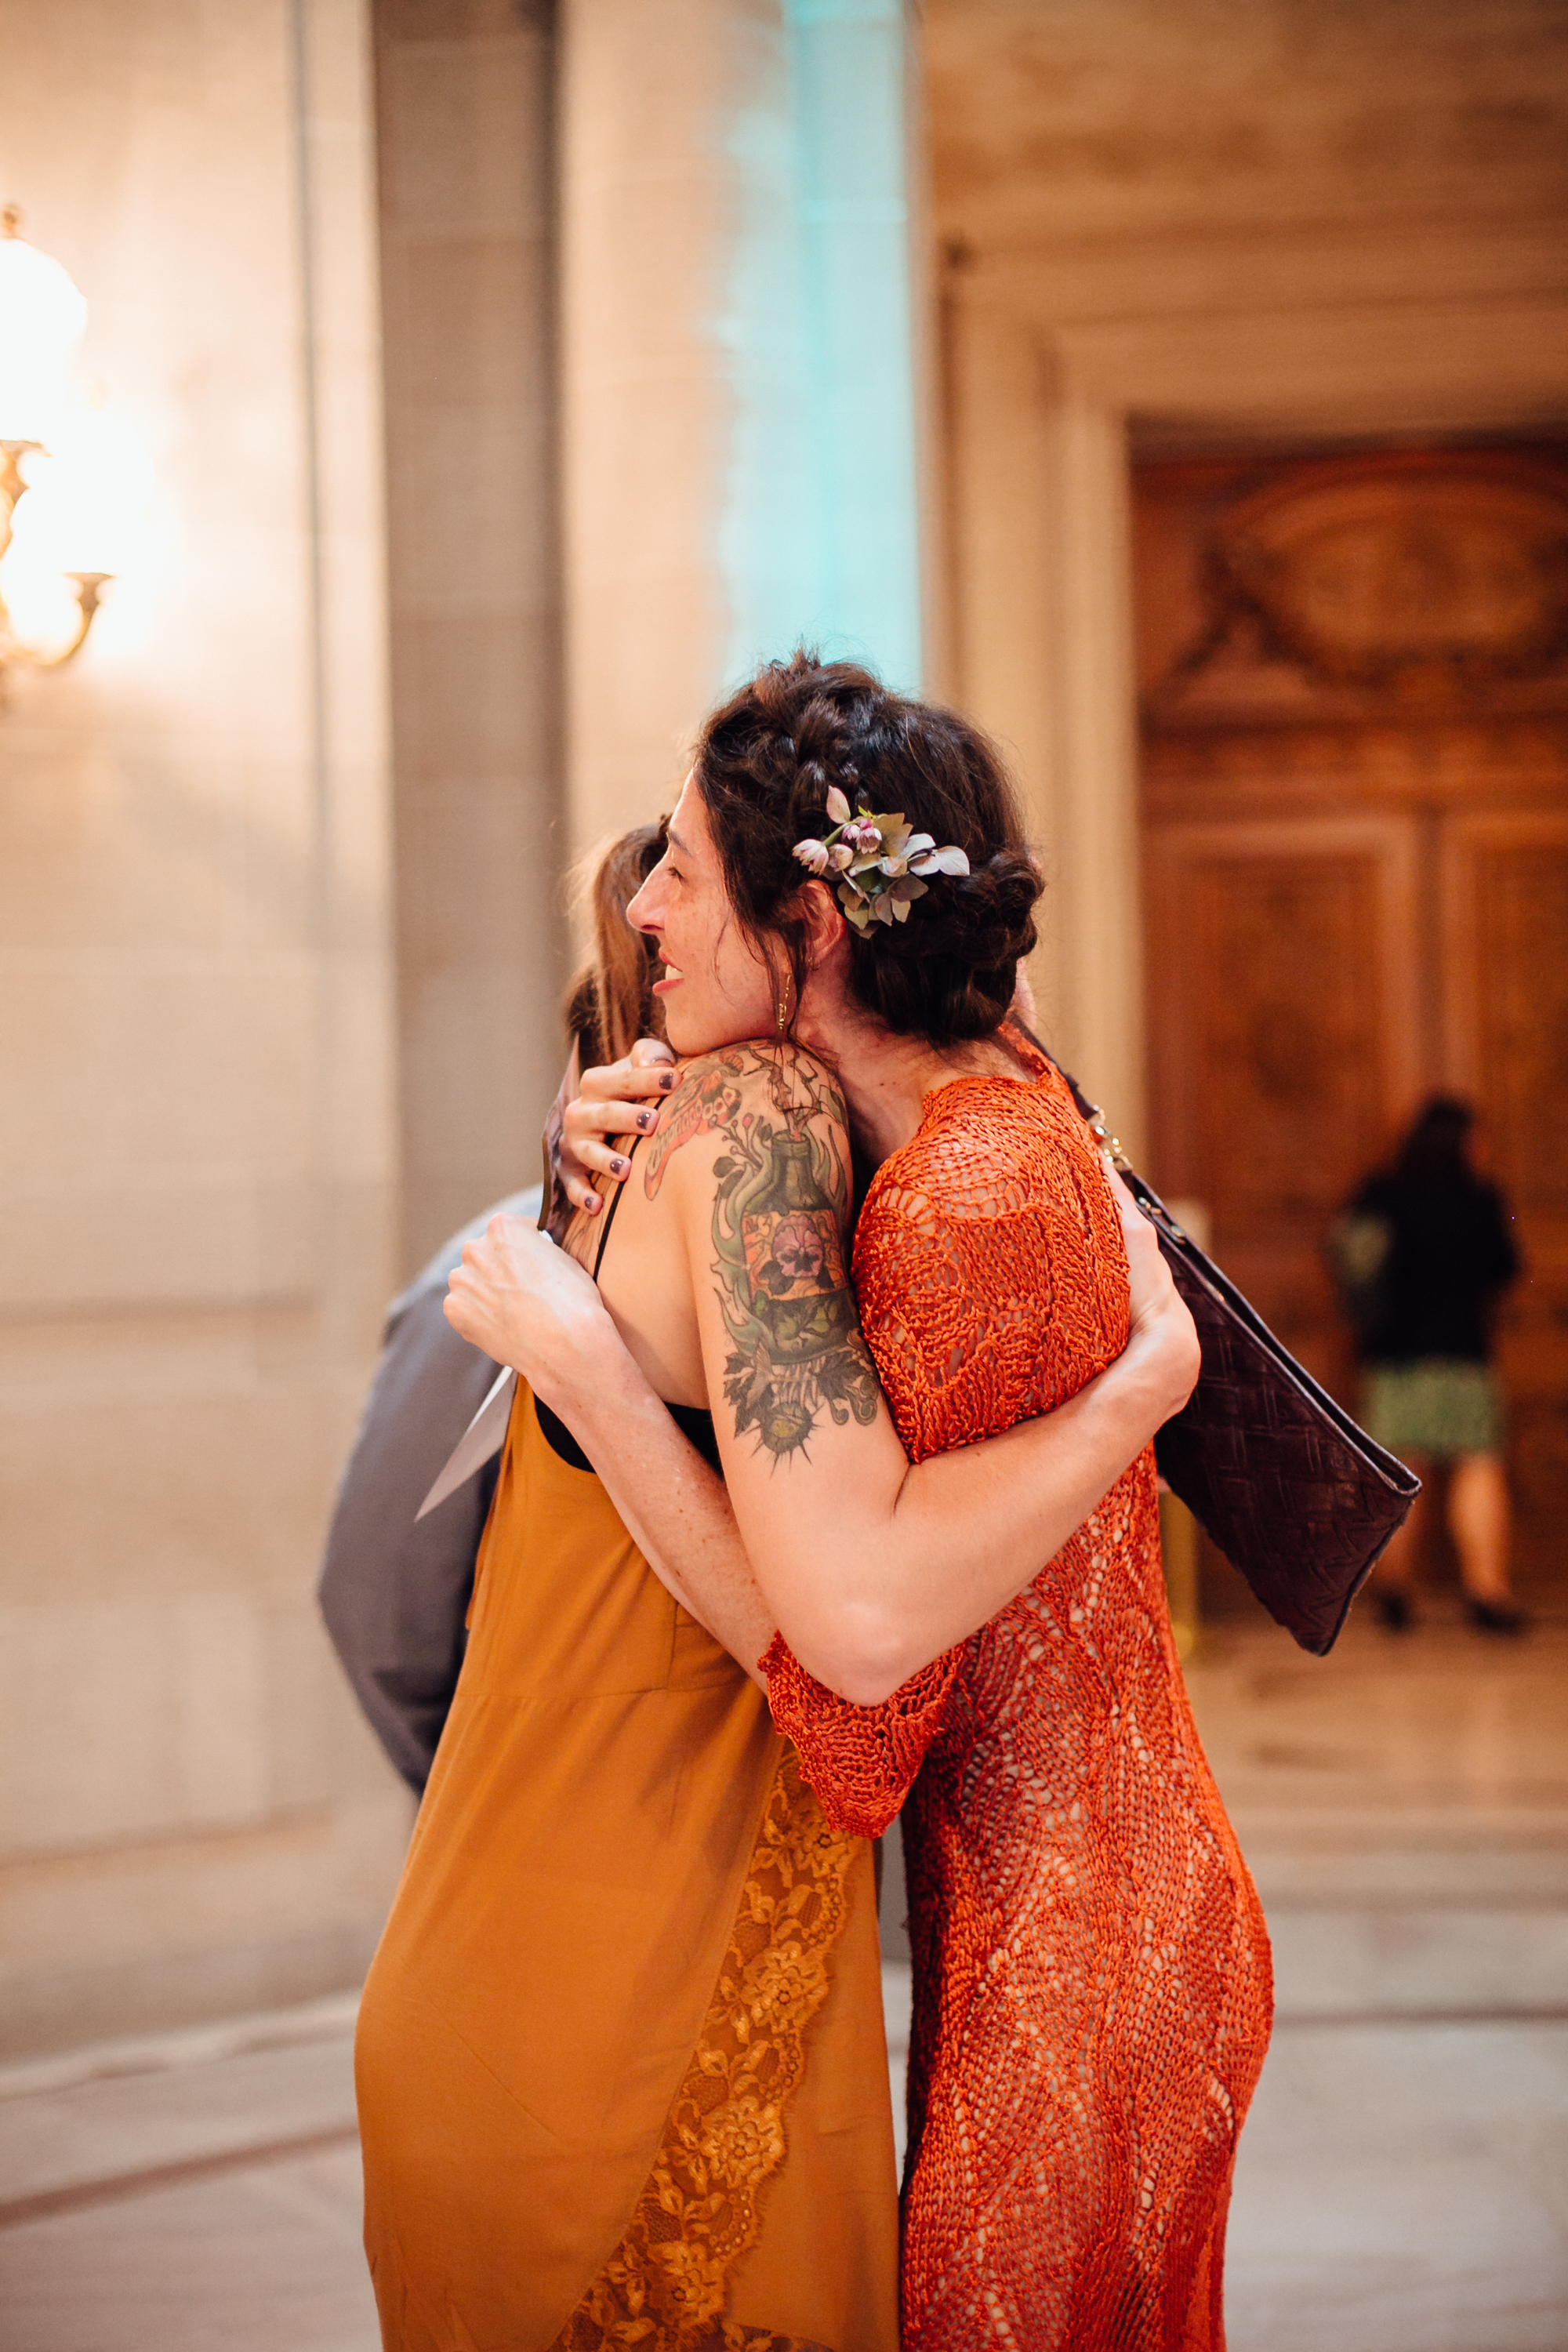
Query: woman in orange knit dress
(1091, 1979)
(620, 2066)
(1092, 1983)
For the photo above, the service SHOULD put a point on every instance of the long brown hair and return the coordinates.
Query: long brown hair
(610, 1003)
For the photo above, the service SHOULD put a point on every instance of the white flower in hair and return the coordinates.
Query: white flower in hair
(880, 860)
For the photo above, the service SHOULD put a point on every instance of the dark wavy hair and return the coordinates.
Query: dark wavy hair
(763, 764)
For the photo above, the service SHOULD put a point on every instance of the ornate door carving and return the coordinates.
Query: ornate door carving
(1281, 971)
(1354, 678)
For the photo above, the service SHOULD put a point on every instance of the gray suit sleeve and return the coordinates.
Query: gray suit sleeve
(393, 1591)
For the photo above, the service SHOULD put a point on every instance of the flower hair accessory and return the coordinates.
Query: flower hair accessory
(879, 862)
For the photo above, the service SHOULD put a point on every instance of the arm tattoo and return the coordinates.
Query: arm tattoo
(708, 1099)
(780, 1208)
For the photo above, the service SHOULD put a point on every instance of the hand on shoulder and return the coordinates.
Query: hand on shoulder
(613, 1100)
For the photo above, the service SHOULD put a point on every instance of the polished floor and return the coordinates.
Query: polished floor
(1403, 2184)
(1403, 2178)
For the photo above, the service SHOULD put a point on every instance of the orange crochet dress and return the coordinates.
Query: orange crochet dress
(1091, 1970)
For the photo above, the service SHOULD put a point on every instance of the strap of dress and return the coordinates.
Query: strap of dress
(614, 1205)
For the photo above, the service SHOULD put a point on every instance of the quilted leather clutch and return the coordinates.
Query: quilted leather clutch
(1299, 1499)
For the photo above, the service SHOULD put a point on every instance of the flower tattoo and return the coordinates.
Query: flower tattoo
(780, 1212)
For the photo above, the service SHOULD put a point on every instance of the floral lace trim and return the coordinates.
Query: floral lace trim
(663, 2289)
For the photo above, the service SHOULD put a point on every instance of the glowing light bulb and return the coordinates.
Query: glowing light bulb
(42, 315)
(86, 497)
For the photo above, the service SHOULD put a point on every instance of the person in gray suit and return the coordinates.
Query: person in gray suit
(394, 1589)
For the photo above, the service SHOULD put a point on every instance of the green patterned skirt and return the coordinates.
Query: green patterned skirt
(1436, 1405)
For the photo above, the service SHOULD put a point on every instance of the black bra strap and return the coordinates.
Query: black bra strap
(613, 1204)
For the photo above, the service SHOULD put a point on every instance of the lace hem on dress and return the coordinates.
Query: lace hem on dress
(664, 2288)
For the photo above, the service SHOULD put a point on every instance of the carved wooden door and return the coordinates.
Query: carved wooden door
(1280, 960)
(1505, 921)
(1354, 676)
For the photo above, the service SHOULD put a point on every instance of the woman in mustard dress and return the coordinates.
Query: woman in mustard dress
(621, 2068)
(623, 1922)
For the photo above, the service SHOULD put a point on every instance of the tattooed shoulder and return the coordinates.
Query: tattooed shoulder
(780, 1224)
(704, 1103)
(714, 1089)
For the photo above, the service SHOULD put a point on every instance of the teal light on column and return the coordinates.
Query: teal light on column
(818, 538)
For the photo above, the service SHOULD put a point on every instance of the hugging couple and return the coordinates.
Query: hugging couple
(828, 1495)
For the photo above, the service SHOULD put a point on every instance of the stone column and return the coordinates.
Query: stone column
(465, 100)
(1042, 654)
(1094, 747)
(195, 951)
(647, 198)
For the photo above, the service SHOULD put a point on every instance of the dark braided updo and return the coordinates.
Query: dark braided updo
(763, 765)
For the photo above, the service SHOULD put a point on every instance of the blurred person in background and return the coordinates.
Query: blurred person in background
(1423, 1256)
(395, 1589)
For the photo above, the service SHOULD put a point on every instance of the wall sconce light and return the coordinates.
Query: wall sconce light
(71, 478)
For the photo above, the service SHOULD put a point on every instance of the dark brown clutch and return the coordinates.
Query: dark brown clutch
(1299, 1499)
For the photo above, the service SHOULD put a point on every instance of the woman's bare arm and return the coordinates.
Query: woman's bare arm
(871, 1568)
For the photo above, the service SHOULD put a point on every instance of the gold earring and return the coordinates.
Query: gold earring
(783, 1011)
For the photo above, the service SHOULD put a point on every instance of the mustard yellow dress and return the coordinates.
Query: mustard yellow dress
(621, 2070)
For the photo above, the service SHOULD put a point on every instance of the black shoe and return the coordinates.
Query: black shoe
(1394, 1610)
(1496, 1616)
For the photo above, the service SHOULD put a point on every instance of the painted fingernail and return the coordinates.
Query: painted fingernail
(590, 1203)
(665, 1080)
(645, 1120)
(619, 1167)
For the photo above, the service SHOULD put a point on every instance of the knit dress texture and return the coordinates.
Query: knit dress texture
(1092, 1989)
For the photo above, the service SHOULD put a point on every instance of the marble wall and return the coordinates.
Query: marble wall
(196, 1055)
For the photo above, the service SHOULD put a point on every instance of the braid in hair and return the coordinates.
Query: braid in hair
(766, 762)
